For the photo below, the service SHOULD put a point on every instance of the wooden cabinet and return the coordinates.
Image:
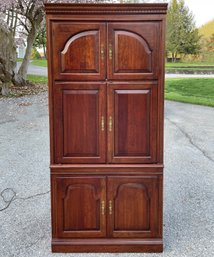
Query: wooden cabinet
(106, 80)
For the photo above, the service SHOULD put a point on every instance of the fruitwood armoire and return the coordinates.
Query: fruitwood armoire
(106, 79)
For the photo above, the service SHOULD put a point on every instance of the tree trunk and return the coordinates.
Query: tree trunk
(26, 60)
(7, 58)
(172, 56)
(44, 50)
(176, 57)
(5, 89)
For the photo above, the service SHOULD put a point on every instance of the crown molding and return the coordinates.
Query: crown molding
(66, 8)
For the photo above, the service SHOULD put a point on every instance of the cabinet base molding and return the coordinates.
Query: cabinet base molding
(107, 245)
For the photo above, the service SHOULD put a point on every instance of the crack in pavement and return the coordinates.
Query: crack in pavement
(32, 196)
(14, 197)
(190, 140)
(8, 202)
(35, 242)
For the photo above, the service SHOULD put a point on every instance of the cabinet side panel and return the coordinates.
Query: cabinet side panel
(50, 82)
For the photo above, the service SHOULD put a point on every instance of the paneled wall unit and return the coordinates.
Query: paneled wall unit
(106, 79)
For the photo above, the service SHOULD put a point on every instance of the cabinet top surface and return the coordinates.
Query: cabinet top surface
(106, 8)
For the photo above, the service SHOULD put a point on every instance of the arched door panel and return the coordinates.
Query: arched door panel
(132, 50)
(79, 51)
(79, 204)
(135, 206)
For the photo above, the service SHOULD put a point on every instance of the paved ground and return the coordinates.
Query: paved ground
(35, 70)
(188, 76)
(24, 180)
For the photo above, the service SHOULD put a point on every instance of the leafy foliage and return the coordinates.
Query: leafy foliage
(207, 29)
(182, 35)
(41, 39)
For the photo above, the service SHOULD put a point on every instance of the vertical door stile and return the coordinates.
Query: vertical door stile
(103, 212)
(109, 216)
(110, 125)
(108, 43)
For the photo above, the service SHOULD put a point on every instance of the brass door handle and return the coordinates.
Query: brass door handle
(110, 123)
(110, 207)
(103, 207)
(102, 123)
(102, 52)
(110, 51)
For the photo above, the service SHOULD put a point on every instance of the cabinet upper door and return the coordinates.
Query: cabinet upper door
(79, 122)
(80, 205)
(133, 50)
(134, 206)
(78, 50)
(132, 122)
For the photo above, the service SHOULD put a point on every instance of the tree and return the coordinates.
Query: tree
(182, 35)
(8, 74)
(31, 15)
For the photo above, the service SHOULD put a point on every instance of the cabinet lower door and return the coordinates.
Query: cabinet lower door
(134, 206)
(78, 206)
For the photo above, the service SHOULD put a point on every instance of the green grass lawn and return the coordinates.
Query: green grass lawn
(37, 79)
(39, 62)
(191, 90)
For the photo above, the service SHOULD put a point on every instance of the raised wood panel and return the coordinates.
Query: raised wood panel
(79, 113)
(126, 199)
(133, 108)
(80, 55)
(79, 107)
(78, 202)
(132, 53)
(134, 50)
(83, 216)
(79, 50)
(135, 206)
(132, 120)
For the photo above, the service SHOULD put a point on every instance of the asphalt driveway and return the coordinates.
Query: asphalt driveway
(24, 180)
